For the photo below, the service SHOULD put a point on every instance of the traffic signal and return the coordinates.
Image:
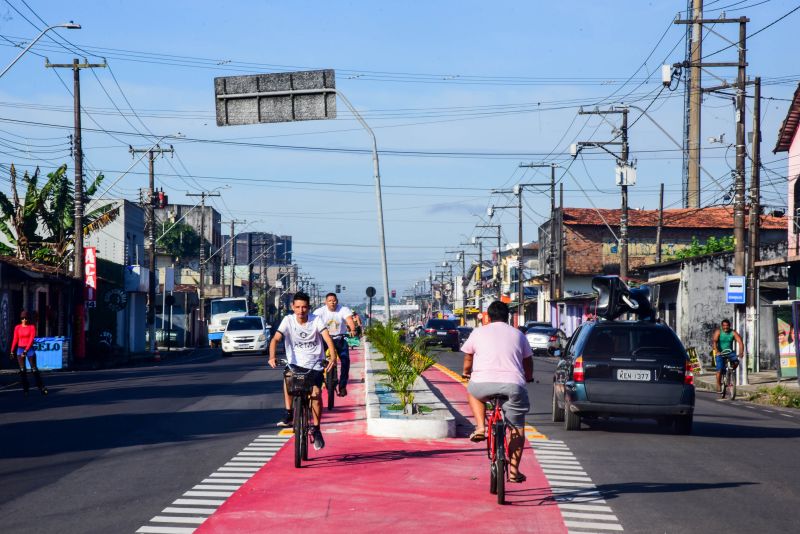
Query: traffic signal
(394, 293)
(338, 288)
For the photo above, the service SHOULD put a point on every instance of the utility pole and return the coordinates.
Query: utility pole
(77, 269)
(738, 198)
(232, 241)
(692, 199)
(753, 305)
(552, 249)
(561, 242)
(660, 223)
(151, 238)
(622, 161)
(203, 195)
(499, 230)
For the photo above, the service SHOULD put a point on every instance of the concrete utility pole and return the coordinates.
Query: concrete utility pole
(695, 102)
(462, 256)
(753, 275)
(738, 194)
(622, 161)
(552, 249)
(151, 238)
(660, 227)
(203, 195)
(498, 276)
(232, 242)
(77, 269)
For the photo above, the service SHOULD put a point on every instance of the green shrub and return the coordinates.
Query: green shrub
(777, 396)
(404, 362)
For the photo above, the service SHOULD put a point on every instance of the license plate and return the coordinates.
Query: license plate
(633, 375)
(442, 334)
(242, 347)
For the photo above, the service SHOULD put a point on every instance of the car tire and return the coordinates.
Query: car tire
(572, 421)
(225, 354)
(557, 413)
(683, 424)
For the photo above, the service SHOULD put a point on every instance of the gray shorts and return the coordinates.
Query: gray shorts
(514, 409)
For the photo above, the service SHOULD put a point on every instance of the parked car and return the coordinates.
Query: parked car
(537, 324)
(463, 333)
(442, 332)
(624, 368)
(245, 334)
(545, 339)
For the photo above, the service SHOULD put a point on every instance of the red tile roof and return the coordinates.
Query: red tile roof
(789, 127)
(713, 217)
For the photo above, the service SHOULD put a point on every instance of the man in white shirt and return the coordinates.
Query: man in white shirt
(304, 334)
(338, 320)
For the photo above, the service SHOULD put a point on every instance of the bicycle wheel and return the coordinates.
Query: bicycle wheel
(297, 408)
(306, 429)
(731, 387)
(500, 462)
(331, 380)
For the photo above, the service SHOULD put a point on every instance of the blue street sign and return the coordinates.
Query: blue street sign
(734, 289)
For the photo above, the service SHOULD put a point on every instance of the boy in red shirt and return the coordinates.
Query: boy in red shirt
(24, 334)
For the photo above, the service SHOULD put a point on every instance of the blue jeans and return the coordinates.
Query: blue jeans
(343, 350)
(721, 361)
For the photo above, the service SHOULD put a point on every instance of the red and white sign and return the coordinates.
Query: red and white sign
(90, 273)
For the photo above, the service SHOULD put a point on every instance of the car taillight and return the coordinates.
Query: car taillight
(553, 338)
(430, 330)
(688, 377)
(577, 370)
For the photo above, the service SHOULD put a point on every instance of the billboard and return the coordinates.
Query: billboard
(787, 340)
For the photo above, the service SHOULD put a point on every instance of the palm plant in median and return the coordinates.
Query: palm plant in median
(404, 362)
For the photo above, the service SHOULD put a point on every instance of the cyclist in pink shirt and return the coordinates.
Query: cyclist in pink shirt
(497, 361)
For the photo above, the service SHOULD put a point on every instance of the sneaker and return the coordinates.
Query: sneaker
(342, 391)
(316, 438)
(287, 421)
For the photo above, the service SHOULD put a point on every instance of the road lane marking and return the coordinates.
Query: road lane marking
(204, 498)
(581, 504)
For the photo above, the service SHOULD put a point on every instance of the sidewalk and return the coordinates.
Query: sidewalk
(360, 483)
(707, 380)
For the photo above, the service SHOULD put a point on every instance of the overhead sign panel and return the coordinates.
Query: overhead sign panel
(280, 97)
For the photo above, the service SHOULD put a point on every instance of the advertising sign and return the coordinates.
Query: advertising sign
(49, 353)
(90, 274)
(786, 333)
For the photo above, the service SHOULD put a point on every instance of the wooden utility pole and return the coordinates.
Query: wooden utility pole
(79, 335)
(151, 238)
(660, 227)
(753, 276)
(738, 194)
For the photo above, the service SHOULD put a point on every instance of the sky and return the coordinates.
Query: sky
(458, 93)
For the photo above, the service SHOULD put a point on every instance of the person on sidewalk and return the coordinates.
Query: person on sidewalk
(24, 334)
(497, 360)
(304, 334)
(338, 320)
(723, 339)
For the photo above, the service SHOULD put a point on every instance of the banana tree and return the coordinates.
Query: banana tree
(19, 222)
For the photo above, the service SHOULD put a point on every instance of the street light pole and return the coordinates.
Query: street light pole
(67, 25)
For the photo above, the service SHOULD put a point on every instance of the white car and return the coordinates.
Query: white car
(245, 334)
(545, 339)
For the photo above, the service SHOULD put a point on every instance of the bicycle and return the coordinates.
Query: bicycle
(331, 383)
(497, 447)
(299, 386)
(728, 376)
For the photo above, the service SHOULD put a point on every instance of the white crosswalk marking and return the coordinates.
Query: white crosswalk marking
(582, 506)
(195, 505)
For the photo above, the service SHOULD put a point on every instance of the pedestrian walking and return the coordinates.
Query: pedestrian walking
(22, 349)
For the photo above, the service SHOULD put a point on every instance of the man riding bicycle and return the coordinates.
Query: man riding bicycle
(497, 361)
(304, 334)
(723, 340)
(338, 320)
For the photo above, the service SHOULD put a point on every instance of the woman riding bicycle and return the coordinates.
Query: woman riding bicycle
(497, 359)
(723, 339)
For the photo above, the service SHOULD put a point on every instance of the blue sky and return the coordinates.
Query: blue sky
(458, 94)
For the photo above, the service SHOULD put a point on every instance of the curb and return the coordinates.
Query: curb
(439, 424)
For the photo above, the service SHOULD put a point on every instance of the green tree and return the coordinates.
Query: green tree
(181, 241)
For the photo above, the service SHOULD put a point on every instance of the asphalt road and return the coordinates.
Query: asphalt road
(737, 473)
(107, 450)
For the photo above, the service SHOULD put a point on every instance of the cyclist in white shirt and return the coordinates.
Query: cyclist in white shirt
(338, 320)
(304, 334)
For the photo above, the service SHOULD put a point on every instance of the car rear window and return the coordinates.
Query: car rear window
(245, 323)
(441, 324)
(645, 342)
(541, 330)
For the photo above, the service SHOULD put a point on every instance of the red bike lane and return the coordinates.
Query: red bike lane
(360, 483)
